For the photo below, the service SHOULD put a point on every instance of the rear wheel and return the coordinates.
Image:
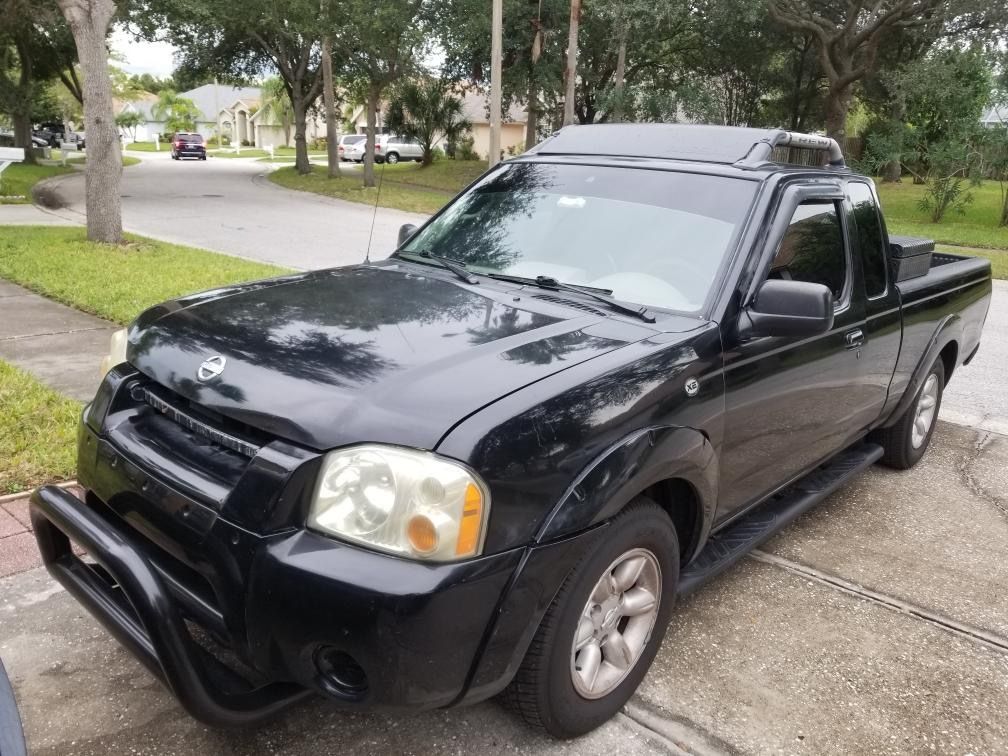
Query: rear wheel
(392, 158)
(906, 441)
(604, 627)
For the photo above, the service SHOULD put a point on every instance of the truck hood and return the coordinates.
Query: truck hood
(385, 353)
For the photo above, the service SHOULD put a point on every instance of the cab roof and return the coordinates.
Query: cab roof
(745, 148)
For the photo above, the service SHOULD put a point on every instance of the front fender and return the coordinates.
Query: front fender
(628, 467)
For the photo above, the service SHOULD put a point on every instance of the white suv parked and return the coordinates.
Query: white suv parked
(387, 147)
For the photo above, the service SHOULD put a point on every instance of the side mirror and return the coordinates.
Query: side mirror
(406, 230)
(789, 308)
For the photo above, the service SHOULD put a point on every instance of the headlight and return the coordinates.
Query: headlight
(117, 352)
(403, 501)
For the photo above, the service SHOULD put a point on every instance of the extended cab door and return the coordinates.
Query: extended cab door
(792, 402)
(883, 321)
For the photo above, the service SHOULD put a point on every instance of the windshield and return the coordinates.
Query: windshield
(652, 237)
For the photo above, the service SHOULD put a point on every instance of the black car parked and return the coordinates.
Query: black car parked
(491, 462)
(188, 145)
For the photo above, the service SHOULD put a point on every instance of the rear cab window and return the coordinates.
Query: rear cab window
(870, 239)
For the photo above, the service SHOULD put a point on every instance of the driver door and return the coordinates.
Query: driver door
(792, 402)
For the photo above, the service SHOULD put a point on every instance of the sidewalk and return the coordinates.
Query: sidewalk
(59, 345)
(30, 215)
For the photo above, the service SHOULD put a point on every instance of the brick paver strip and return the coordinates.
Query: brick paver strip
(18, 553)
(10, 525)
(18, 509)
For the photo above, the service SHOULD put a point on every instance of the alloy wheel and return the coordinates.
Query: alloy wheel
(924, 415)
(616, 623)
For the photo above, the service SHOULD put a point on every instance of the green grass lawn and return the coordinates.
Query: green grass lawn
(255, 152)
(406, 186)
(16, 182)
(114, 282)
(146, 147)
(38, 428)
(127, 160)
(978, 227)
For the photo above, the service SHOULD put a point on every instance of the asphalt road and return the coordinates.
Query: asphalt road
(228, 205)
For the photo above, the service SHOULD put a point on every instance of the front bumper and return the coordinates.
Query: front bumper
(423, 636)
(192, 563)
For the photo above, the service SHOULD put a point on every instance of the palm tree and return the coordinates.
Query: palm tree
(276, 105)
(425, 111)
(178, 113)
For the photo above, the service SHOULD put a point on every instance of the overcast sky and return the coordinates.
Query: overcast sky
(154, 58)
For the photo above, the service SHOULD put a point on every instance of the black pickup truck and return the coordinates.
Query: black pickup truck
(491, 462)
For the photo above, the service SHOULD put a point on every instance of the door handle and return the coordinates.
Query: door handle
(855, 338)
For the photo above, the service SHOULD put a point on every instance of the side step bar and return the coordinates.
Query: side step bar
(728, 546)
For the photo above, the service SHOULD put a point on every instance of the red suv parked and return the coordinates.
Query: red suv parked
(188, 145)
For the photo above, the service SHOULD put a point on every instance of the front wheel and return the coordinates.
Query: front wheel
(907, 440)
(604, 627)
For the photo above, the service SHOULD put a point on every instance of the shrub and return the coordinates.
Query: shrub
(464, 149)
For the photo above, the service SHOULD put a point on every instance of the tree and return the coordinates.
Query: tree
(128, 121)
(276, 105)
(570, 71)
(848, 36)
(35, 45)
(178, 113)
(89, 22)
(379, 47)
(329, 103)
(237, 42)
(146, 82)
(533, 44)
(425, 111)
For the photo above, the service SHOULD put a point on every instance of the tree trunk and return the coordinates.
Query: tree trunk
(893, 170)
(570, 72)
(300, 127)
(532, 116)
(23, 134)
(328, 99)
(836, 106)
(372, 118)
(620, 75)
(1004, 211)
(89, 23)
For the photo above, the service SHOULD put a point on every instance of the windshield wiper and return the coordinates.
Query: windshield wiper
(601, 295)
(456, 267)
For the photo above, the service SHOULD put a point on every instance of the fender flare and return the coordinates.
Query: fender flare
(948, 330)
(635, 462)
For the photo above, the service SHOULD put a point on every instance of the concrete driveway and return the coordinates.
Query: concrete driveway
(228, 205)
(875, 624)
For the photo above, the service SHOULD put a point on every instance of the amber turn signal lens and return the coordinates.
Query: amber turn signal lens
(472, 517)
(422, 534)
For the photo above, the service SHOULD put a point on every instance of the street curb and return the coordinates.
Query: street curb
(8, 498)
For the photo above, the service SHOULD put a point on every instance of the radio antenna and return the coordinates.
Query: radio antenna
(374, 212)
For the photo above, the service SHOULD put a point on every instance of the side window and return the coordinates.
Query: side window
(869, 231)
(813, 248)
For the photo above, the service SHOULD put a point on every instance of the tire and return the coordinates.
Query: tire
(417, 160)
(544, 691)
(905, 442)
(392, 158)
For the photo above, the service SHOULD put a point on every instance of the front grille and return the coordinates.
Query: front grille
(186, 414)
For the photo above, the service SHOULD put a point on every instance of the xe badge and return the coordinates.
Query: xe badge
(211, 368)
